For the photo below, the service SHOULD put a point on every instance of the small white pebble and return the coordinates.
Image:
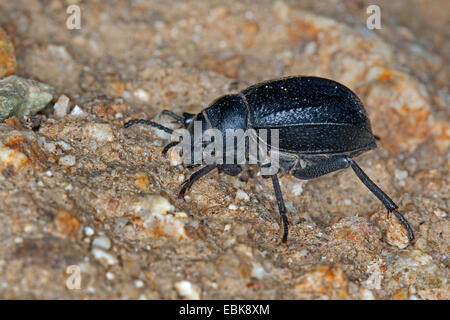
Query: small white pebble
(102, 255)
(241, 195)
(61, 107)
(18, 240)
(110, 276)
(142, 95)
(77, 111)
(348, 202)
(401, 174)
(258, 271)
(67, 161)
(232, 207)
(156, 204)
(138, 284)
(297, 188)
(102, 242)
(310, 48)
(187, 290)
(248, 15)
(88, 231)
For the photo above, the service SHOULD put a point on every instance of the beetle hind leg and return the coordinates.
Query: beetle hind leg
(387, 202)
(341, 162)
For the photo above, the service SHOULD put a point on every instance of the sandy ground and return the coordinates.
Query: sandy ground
(80, 190)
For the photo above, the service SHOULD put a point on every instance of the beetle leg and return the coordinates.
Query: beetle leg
(169, 145)
(192, 166)
(281, 207)
(185, 119)
(321, 168)
(387, 202)
(194, 177)
(173, 115)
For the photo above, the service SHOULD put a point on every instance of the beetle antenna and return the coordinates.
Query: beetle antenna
(149, 123)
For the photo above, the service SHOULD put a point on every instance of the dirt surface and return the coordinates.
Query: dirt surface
(80, 190)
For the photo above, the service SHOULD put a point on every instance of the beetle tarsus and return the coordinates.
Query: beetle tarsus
(405, 224)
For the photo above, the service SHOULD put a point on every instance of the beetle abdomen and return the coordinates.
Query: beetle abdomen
(325, 139)
(314, 115)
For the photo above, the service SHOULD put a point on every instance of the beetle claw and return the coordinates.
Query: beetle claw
(184, 188)
(405, 224)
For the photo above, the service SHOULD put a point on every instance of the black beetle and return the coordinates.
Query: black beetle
(321, 123)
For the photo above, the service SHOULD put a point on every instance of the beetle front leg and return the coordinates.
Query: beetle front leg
(173, 115)
(281, 207)
(169, 146)
(194, 177)
(387, 202)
